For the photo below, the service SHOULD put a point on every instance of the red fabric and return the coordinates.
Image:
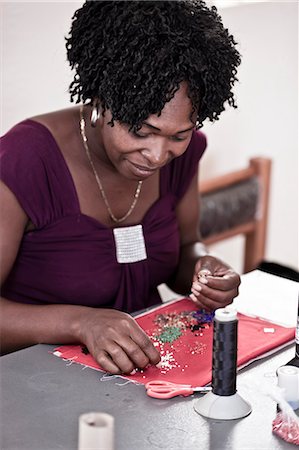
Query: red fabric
(194, 369)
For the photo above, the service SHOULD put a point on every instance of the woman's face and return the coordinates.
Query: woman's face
(138, 155)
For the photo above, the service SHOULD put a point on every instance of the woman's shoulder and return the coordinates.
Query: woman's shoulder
(198, 141)
(194, 152)
(181, 170)
(57, 123)
(24, 140)
(35, 135)
(60, 123)
(33, 168)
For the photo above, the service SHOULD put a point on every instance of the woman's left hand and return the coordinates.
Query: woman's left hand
(215, 284)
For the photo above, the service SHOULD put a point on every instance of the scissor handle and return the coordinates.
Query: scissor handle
(163, 383)
(168, 392)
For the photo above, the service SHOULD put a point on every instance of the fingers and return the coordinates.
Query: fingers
(205, 303)
(230, 280)
(106, 363)
(123, 346)
(198, 302)
(145, 344)
(215, 292)
(208, 298)
(202, 275)
(122, 358)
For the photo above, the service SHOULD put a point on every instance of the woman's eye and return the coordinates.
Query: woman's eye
(138, 134)
(178, 139)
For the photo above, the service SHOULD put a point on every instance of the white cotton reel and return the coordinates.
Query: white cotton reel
(96, 431)
(288, 381)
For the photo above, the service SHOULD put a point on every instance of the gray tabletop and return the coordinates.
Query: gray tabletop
(42, 398)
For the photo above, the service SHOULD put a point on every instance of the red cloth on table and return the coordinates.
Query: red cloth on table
(187, 367)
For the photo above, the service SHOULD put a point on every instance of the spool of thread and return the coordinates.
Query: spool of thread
(288, 380)
(96, 431)
(295, 360)
(225, 344)
(224, 402)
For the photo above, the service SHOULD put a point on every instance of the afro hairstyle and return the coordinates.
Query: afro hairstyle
(131, 56)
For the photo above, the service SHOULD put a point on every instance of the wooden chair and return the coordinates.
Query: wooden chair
(237, 203)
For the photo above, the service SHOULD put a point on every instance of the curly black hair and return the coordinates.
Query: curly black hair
(133, 55)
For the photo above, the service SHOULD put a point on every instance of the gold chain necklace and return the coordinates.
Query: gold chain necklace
(98, 180)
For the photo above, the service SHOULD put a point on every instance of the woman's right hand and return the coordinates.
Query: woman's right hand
(116, 341)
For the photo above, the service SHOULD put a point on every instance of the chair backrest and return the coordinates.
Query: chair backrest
(237, 203)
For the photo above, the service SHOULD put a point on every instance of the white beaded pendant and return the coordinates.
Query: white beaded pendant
(129, 243)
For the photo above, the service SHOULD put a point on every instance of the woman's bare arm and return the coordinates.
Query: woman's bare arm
(23, 325)
(191, 249)
(220, 286)
(114, 338)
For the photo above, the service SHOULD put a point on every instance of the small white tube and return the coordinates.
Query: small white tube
(96, 431)
(288, 380)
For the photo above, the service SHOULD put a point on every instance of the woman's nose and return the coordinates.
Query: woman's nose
(157, 153)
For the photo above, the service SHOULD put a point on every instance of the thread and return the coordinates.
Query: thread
(224, 360)
(224, 402)
(295, 360)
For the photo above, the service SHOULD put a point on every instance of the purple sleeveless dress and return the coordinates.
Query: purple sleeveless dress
(70, 258)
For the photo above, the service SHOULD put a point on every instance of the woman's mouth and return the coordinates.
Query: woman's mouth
(142, 171)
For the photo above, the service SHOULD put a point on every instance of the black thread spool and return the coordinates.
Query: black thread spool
(224, 361)
(224, 402)
(295, 361)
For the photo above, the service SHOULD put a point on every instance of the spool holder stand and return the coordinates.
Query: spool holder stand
(222, 407)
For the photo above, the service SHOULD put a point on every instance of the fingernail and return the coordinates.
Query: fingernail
(196, 288)
(133, 372)
(204, 273)
(203, 280)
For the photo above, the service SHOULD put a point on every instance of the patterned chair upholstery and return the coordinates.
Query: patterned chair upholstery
(237, 203)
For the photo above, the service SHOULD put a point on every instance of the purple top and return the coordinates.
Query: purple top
(70, 258)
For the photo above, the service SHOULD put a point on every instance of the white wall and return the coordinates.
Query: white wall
(35, 72)
(35, 78)
(266, 122)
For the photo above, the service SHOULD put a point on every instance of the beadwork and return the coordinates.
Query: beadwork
(129, 243)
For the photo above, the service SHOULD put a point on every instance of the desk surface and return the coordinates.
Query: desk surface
(42, 398)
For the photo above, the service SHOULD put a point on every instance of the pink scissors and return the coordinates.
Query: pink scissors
(166, 389)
